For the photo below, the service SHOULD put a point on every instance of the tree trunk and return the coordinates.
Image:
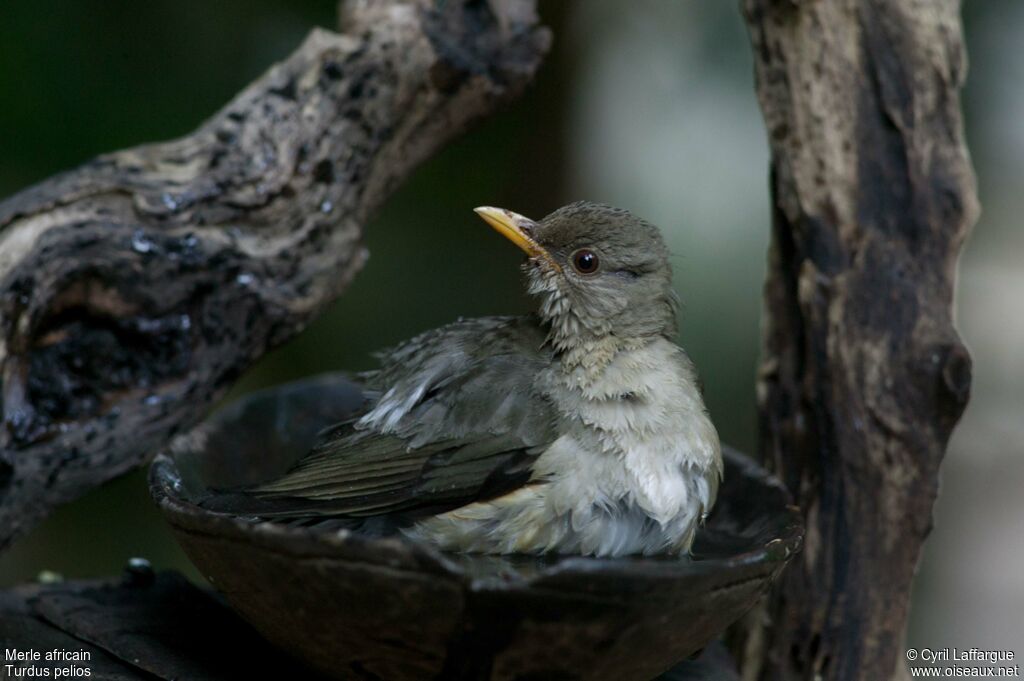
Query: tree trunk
(135, 288)
(863, 376)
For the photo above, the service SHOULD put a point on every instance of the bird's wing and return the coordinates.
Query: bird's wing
(458, 419)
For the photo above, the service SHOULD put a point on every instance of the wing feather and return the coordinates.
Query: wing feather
(458, 419)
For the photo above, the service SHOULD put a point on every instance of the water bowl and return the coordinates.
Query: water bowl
(358, 607)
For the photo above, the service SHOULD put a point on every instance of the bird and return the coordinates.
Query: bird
(578, 429)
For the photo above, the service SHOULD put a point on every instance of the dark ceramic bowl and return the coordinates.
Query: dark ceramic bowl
(356, 607)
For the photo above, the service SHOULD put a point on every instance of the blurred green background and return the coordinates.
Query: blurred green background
(648, 105)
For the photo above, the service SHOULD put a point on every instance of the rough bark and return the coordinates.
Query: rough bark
(863, 375)
(135, 288)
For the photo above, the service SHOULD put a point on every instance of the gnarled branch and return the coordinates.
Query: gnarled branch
(135, 288)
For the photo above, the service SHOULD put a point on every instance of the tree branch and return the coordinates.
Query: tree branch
(863, 375)
(135, 288)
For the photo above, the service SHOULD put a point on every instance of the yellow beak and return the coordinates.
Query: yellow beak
(516, 229)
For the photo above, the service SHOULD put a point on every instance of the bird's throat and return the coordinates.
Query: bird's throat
(588, 357)
(584, 347)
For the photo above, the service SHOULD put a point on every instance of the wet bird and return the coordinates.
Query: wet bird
(577, 430)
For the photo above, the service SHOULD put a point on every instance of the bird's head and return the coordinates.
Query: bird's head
(598, 271)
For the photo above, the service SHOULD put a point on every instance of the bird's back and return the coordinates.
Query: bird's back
(457, 419)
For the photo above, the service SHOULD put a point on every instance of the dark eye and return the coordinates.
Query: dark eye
(585, 261)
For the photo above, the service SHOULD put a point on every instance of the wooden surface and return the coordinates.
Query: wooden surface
(146, 626)
(863, 374)
(135, 288)
(140, 626)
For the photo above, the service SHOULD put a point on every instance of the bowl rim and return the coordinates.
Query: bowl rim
(403, 554)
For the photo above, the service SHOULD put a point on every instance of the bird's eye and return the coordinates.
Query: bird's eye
(585, 261)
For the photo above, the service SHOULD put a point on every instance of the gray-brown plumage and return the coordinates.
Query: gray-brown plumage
(578, 430)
